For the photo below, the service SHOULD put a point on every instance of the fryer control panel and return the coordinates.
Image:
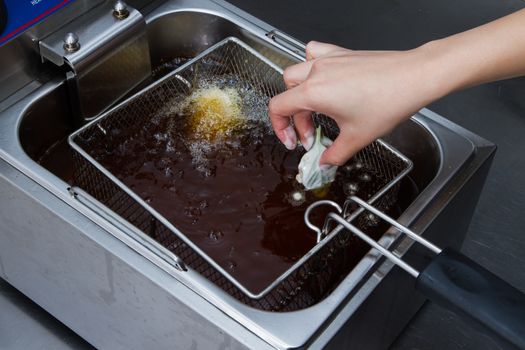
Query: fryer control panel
(18, 15)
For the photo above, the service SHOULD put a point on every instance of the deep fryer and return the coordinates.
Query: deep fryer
(106, 280)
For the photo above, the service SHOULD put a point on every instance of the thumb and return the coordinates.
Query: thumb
(343, 148)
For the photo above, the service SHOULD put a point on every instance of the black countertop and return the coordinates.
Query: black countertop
(496, 111)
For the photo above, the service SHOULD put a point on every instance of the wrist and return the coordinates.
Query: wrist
(444, 68)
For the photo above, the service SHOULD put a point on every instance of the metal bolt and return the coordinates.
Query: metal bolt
(120, 9)
(71, 43)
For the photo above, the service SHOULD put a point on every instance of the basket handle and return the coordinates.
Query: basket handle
(457, 283)
(289, 42)
(136, 237)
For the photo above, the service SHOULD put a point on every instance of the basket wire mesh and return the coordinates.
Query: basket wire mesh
(315, 274)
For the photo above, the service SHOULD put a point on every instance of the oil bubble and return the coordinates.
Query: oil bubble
(365, 177)
(192, 212)
(296, 198)
(371, 219)
(231, 265)
(215, 235)
(350, 188)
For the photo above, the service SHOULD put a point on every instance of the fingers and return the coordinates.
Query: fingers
(315, 49)
(343, 148)
(281, 107)
(305, 128)
(296, 74)
(293, 101)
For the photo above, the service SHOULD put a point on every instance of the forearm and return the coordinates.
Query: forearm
(487, 53)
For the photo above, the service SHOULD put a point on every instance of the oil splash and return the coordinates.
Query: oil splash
(213, 113)
(215, 117)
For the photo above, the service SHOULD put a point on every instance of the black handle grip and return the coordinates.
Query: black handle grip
(458, 283)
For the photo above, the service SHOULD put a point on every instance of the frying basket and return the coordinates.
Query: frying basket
(313, 275)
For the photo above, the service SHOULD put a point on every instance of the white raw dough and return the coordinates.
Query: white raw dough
(311, 175)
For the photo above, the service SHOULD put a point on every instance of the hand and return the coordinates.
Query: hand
(369, 92)
(366, 92)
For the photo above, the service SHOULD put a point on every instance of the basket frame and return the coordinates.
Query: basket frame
(332, 232)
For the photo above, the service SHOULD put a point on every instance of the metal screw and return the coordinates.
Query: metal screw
(71, 43)
(120, 9)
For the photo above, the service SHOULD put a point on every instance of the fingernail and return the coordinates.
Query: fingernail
(290, 138)
(309, 140)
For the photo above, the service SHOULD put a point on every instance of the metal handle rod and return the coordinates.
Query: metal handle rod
(130, 230)
(291, 43)
(396, 224)
(309, 224)
(374, 244)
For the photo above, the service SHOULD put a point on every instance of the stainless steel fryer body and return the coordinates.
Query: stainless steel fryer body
(87, 273)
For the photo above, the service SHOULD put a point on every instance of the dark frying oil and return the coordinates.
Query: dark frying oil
(237, 200)
(238, 208)
(58, 159)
